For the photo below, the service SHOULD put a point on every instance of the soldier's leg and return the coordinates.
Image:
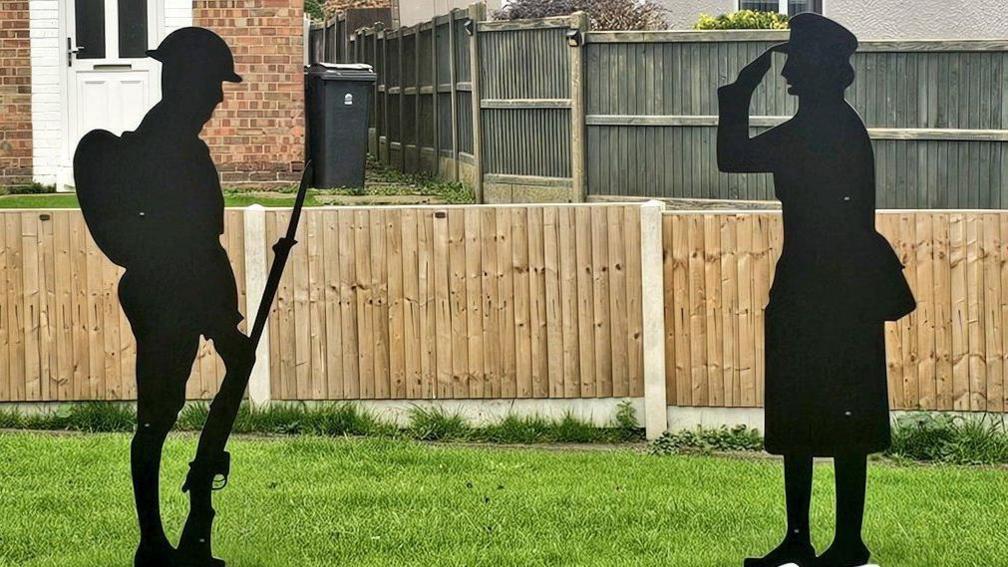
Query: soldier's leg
(236, 351)
(163, 367)
(211, 459)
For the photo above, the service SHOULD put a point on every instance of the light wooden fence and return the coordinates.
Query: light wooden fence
(507, 302)
(379, 303)
(537, 110)
(461, 302)
(950, 354)
(63, 334)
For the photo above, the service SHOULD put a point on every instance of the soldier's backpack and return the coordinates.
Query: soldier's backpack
(103, 175)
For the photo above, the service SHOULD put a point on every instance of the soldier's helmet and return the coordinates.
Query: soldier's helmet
(198, 51)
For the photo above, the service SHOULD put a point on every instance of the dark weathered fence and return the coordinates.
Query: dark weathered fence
(422, 110)
(527, 111)
(330, 40)
(445, 84)
(937, 112)
(563, 114)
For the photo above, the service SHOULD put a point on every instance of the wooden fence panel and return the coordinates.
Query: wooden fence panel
(525, 110)
(65, 337)
(462, 303)
(949, 354)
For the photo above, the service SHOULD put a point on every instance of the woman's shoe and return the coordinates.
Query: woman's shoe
(840, 555)
(801, 553)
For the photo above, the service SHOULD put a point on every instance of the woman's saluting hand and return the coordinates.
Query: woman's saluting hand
(751, 75)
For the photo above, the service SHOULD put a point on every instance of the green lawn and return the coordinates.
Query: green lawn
(311, 501)
(69, 201)
(385, 184)
(439, 193)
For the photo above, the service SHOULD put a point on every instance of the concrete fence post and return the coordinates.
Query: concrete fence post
(307, 41)
(256, 272)
(652, 305)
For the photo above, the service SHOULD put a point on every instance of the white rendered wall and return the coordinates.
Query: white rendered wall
(922, 19)
(415, 11)
(683, 14)
(882, 19)
(47, 91)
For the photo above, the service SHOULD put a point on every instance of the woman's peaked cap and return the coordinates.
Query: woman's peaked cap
(812, 32)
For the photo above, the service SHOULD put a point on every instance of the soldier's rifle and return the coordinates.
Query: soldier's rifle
(281, 251)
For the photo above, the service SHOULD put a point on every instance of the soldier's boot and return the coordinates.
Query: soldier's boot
(154, 556)
(205, 476)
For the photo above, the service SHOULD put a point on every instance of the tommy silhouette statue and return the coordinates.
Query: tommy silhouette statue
(153, 203)
(835, 285)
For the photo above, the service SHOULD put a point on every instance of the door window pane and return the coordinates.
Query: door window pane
(132, 28)
(89, 16)
(759, 5)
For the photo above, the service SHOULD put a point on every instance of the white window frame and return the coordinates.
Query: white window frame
(782, 6)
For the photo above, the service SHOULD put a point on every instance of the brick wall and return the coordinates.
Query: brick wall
(257, 134)
(15, 94)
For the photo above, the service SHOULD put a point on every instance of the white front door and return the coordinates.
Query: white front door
(111, 83)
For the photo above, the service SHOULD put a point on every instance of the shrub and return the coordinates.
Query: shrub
(315, 9)
(336, 419)
(570, 429)
(515, 429)
(435, 424)
(627, 427)
(33, 188)
(92, 417)
(738, 438)
(602, 14)
(743, 20)
(294, 419)
(941, 438)
(96, 416)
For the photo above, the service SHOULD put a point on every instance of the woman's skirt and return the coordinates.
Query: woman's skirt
(826, 391)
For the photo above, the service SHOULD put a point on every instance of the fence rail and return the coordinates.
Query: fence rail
(508, 302)
(563, 114)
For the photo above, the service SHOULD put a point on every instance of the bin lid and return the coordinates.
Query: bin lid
(343, 71)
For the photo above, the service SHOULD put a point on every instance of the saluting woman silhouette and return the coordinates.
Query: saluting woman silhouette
(835, 285)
